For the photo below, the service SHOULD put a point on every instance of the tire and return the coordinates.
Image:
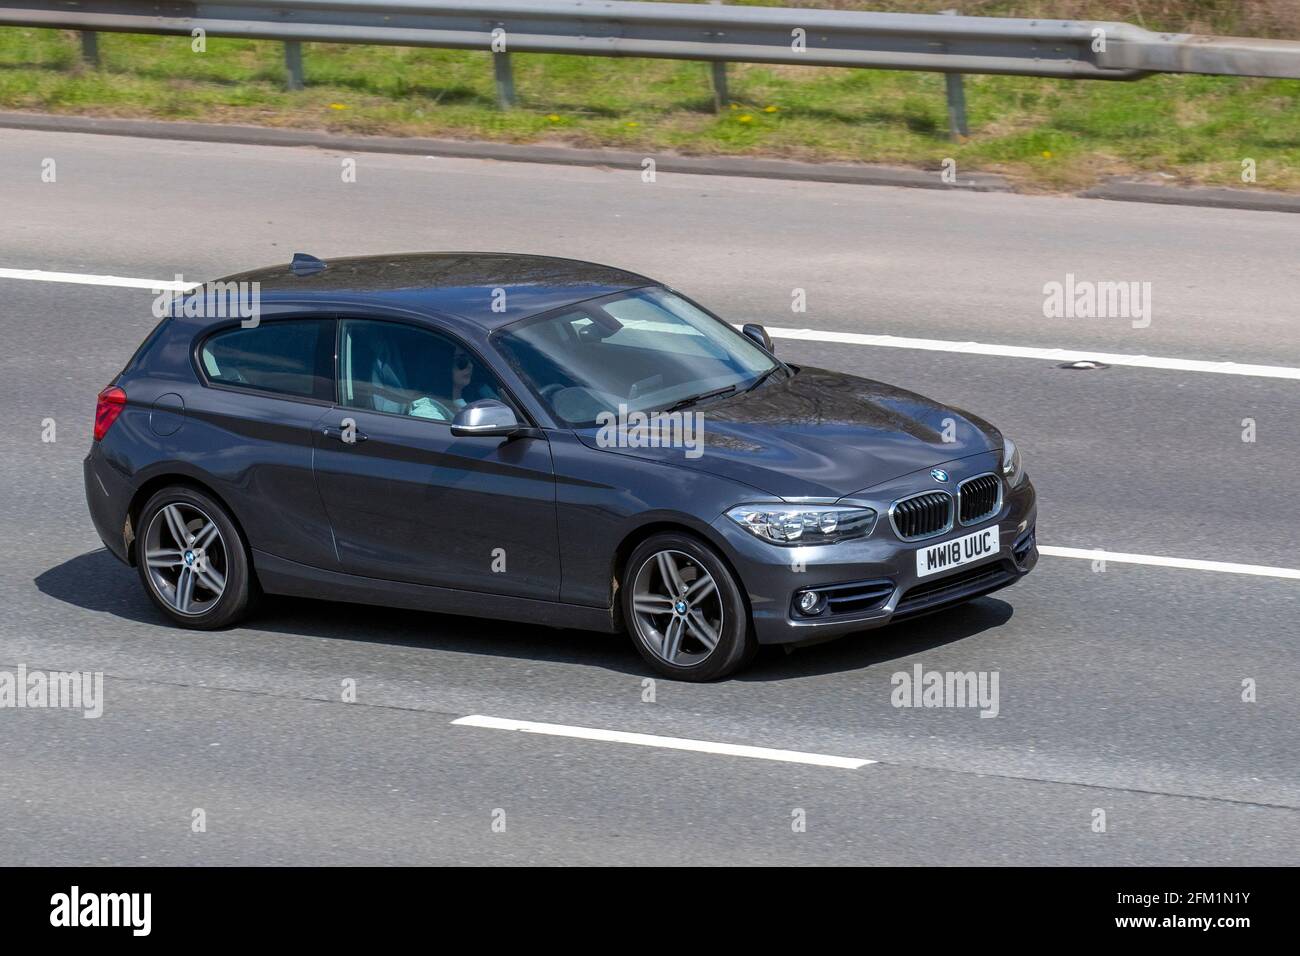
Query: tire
(217, 555)
(656, 623)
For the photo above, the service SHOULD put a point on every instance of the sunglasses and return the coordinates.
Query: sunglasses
(460, 361)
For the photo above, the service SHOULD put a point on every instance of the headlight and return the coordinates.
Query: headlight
(804, 524)
(1013, 469)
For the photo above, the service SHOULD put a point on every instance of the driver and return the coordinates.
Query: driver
(442, 408)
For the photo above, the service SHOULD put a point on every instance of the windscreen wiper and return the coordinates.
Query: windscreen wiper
(763, 378)
(688, 402)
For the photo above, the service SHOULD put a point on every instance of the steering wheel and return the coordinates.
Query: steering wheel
(389, 394)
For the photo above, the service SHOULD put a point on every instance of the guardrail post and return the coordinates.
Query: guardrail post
(90, 48)
(293, 64)
(505, 79)
(956, 99)
(956, 106)
(720, 95)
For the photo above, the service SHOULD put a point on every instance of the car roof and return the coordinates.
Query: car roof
(463, 284)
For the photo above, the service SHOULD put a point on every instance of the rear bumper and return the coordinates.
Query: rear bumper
(875, 578)
(108, 496)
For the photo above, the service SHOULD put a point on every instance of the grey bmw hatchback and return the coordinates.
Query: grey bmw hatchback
(524, 438)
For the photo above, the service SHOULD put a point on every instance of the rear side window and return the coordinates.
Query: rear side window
(293, 357)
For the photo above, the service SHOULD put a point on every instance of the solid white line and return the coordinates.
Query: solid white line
(1051, 355)
(669, 743)
(78, 278)
(807, 335)
(1160, 561)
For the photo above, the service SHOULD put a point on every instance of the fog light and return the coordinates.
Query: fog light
(808, 601)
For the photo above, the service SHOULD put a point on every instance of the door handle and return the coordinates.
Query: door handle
(329, 431)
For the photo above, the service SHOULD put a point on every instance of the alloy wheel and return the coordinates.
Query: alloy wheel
(677, 608)
(186, 558)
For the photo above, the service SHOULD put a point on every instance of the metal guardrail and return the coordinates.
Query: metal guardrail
(949, 44)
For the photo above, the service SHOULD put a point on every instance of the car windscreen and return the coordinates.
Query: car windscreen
(644, 350)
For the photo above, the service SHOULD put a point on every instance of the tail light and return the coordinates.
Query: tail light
(111, 402)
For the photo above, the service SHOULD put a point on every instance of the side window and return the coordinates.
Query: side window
(293, 357)
(405, 370)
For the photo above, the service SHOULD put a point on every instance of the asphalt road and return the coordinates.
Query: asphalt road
(1120, 690)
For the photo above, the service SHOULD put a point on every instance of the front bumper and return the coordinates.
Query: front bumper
(876, 575)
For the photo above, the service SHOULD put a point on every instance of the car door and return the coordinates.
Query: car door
(407, 500)
(250, 426)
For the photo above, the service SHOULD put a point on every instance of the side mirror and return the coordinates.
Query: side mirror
(485, 418)
(759, 334)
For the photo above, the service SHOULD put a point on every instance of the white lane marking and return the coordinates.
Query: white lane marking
(1052, 355)
(1160, 561)
(807, 335)
(670, 743)
(78, 278)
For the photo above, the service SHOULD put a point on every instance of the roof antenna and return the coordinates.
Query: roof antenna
(305, 265)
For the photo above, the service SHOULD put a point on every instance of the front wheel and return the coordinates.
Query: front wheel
(684, 609)
(192, 559)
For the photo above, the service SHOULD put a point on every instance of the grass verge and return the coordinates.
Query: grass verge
(1048, 135)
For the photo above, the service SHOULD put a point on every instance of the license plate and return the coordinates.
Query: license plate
(953, 554)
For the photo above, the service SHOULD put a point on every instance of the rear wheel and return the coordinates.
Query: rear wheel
(684, 609)
(192, 559)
